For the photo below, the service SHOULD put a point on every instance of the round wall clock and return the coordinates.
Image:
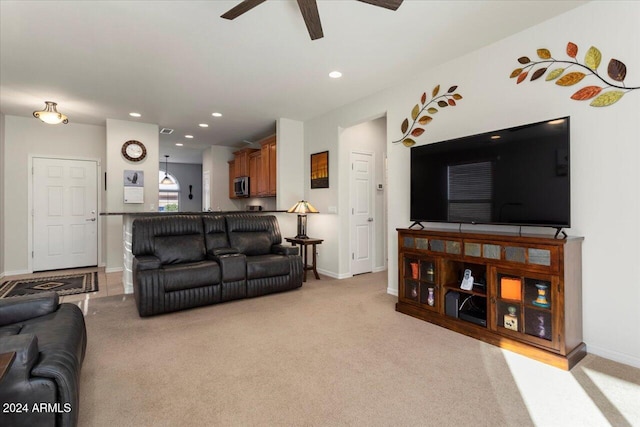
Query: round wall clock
(134, 151)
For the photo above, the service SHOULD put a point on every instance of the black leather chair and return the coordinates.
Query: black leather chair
(49, 340)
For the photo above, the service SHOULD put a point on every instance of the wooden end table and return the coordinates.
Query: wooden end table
(5, 362)
(304, 243)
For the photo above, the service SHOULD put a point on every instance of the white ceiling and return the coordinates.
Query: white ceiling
(176, 62)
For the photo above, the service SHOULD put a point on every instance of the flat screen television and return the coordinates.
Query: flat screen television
(515, 176)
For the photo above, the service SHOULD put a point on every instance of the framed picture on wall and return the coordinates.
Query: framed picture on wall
(320, 170)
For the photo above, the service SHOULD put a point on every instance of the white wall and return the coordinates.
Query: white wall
(119, 132)
(604, 155)
(25, 137)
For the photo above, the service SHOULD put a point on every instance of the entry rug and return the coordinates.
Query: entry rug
(69, 284)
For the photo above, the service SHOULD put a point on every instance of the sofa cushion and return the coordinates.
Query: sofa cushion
(252, 243)
(215, 233)
(179, 249)
(267, 266)
(191, 275)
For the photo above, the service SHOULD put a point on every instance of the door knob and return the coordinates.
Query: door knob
(92, 219)
(370, 219)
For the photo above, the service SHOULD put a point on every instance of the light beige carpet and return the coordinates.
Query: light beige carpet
(331, 353)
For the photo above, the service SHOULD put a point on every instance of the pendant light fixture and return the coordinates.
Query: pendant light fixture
(50, 114)
(166, 180)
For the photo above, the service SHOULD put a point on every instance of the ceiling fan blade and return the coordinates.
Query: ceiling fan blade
(387, 4)
(309, 10)
(243, 7)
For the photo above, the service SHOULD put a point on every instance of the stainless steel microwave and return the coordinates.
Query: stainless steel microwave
(241, 186)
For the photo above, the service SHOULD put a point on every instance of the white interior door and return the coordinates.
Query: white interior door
(65, 202)
(362, 176)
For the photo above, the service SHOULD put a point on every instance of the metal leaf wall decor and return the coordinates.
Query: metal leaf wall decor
(422, 113)
(604, 94)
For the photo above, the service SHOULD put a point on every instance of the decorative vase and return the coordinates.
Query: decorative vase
(414, 291)
(542, 331)
(430, 298)
(414, 270)
(541, 301)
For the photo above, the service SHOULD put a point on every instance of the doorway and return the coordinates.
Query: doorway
(64, 214)
(365, 149)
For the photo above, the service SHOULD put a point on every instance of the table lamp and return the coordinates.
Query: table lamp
(302, 208)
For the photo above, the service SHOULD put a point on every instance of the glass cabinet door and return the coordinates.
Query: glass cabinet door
(419, 282)
(524, 307)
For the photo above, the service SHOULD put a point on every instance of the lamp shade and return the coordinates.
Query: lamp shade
(50, 114)
(302, 207)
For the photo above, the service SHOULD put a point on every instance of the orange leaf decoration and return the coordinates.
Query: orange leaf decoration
(425, 120)
(586, 93)
(417, 132)
(451, 102)
(570, 79)
(435, 91)
(522, 76)
(515, 73)
(457, 96)
(572, 49)
(544, 53)
(423, 99)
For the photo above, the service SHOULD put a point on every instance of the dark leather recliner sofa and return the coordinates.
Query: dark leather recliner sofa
(185, 261)
(49, 340)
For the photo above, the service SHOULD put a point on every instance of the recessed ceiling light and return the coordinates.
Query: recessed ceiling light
(203, 125)
(179, 144)
(495, 136)
(217, 114)
(135, 114)
(556, 122)
(189, 136)
(335, 74)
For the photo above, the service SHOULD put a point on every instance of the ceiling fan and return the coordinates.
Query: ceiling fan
(309, 10)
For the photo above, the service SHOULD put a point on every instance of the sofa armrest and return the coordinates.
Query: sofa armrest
(26, 348)
(146, 262)
(13, 310)
(284, 250)
(223, 251)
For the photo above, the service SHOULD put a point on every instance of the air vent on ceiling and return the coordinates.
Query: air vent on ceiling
(166, 131)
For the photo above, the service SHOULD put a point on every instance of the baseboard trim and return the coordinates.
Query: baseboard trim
(614, 355)
(332, 274)
(16, 272)
(392, 291)
(113, 270)
(379, 269)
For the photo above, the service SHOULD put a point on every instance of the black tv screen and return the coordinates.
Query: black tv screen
(515, 176)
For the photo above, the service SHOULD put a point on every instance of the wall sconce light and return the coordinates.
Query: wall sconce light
(50, 114)
(302, 208)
